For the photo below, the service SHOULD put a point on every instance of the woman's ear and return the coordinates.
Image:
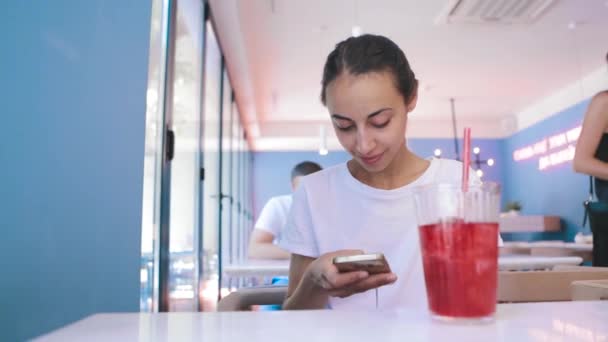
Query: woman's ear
(411, 105)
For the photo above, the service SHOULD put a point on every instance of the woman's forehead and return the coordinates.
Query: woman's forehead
(363, 94)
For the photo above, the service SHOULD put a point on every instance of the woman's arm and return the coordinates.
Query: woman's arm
(261, 246)
(312, 281)
(301, 293)
(594, 126)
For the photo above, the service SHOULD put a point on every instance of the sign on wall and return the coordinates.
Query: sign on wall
(551, 151)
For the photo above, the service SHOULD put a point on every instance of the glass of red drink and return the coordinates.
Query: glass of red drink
(458, 233)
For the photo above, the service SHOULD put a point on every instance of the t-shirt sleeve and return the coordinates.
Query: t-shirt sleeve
(299, 237)
(270, 219)
(451, 171)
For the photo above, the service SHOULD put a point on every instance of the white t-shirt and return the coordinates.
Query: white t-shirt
(332, 210)
(273, 217)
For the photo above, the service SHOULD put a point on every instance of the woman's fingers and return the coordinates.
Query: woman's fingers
(337, 280)
(365, 284)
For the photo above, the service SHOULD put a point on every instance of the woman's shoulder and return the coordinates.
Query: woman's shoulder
(600, 98)
(448, 166)
(323, 177)
(597, 110)
(450, 170)
(316, 187)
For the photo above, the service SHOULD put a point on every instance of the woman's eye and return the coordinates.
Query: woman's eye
(381, 125)
(345, 128)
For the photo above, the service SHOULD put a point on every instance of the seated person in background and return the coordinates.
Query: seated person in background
(273, 218)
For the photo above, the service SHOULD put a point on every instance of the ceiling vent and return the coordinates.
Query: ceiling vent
(493, 11)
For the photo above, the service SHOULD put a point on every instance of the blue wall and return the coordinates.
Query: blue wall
(271, 170)
(490, 148)
(554, 191)
(73, 86)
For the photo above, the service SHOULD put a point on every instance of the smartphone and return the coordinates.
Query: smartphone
(371, 263)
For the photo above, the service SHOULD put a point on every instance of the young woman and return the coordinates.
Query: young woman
(367, 203)
(591, 158)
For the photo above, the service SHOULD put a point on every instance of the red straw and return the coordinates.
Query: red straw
(466, 159)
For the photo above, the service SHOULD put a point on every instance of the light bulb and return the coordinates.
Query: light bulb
(479, 173)
(490, 162)
(476, 150)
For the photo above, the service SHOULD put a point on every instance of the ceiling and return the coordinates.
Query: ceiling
(275, 50)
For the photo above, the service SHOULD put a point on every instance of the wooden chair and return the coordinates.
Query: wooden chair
(544, 286)
(590, 290)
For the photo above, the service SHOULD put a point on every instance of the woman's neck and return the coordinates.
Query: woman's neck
(403, 170)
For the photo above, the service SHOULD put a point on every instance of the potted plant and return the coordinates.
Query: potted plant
(513, 208)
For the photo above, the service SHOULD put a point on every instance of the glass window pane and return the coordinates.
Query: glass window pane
(243, 234)
(248, 201)
(152, 158)
(211, 185)
(226, 206)
(235, 177)
(184, 216)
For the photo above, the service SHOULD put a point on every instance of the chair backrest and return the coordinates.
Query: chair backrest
(590, 290)
(244, 298)
(544, 286)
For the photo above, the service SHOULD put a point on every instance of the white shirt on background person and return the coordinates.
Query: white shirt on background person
(273, 216)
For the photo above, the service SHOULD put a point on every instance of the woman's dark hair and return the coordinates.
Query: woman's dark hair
(370, 53)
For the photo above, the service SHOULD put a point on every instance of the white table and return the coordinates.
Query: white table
(525, 262)
(255, 272)
(579, 247)
(273, 268)
(557, 321)
(258, 268)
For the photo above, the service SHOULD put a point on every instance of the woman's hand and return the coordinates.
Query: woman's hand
(326, 277)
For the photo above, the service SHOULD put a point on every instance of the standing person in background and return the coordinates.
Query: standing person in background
(273, 218)
(591, 158)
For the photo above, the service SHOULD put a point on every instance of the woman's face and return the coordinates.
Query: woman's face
(369, 116)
